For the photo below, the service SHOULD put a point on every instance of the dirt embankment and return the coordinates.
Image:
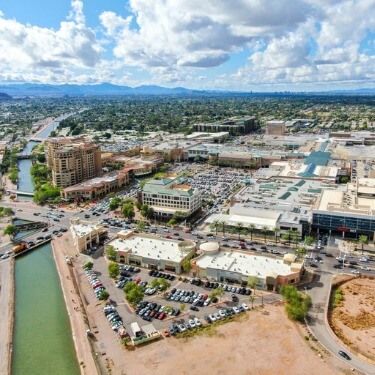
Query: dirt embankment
(352, 317)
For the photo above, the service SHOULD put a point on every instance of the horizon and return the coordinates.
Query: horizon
(313, 46)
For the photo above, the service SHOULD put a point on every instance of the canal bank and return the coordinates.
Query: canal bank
(7, 314)
(84, 347)
(42, 341)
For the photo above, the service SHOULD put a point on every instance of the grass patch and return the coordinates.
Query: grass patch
(337, 298)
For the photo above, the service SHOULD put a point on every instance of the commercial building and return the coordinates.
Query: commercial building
(152, 251)
(170, 195)
(275, 127)
(350, 212)
(72, 160)
(97, 187)
(237, 266)
(86, 234)
(234, 126)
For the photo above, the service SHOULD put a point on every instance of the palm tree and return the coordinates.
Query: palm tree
(252, 282)
(239, 227)
(252, 299)
(223, 224)
(363, 240)
(276, 230)
(265, 231)
(216, 226)
(251, 229)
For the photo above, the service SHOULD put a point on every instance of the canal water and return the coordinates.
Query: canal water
(42, 337)
(42, 342)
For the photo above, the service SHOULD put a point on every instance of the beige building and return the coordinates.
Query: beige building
(86, 234)
(152, 251)
(72, 160)
(237, 266)
(275, 127)
(97, 187)
(170, 195)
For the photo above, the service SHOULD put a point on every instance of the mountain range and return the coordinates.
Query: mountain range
(107, 89)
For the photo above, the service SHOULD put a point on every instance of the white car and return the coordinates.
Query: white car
(245, 307)
(192, 323)
(197, 322)
(212, 317)
(236, 310)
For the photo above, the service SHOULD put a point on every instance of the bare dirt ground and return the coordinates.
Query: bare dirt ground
(262, 342)
(353, 320)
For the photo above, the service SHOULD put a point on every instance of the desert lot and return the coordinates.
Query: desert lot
(353, 320)
(263, 342)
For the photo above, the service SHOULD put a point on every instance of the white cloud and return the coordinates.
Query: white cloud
(196, 33)
(34, 51)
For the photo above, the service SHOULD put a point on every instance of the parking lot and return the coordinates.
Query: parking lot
(183, 300)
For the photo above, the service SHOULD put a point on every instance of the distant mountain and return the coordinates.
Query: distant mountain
(29, 89)
(4, 96)
(108, 89)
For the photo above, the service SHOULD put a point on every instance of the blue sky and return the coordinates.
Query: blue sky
(212, 44)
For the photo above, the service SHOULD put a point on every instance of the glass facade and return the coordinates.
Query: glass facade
(344, 223)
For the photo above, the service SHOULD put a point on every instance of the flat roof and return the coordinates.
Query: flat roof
(233, 220)
(245, 264)
(82, 230)
(151, 247)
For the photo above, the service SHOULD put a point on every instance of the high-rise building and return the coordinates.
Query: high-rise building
(72, 160)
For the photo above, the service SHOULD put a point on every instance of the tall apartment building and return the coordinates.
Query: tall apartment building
(170, 195)
(72, 160)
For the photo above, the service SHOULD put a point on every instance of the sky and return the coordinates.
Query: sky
(246, 45)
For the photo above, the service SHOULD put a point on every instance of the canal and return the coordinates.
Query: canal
(42, 340)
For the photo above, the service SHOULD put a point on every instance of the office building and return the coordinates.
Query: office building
(72, 160)
(350, 212)
(275, 127)
(170, 195)
(233, 126)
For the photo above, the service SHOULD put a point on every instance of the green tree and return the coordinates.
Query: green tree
(186, 265)
(251, 230)
(265, 232)
(309, 240)
(113, 270)
(363, 240)
(141, 225)
(252, 299)
(103, 295)
(252, 282)
(297, 303)
(10, 230)
(160, 284)
(88, 265)
(114, 203)
(128, 210)
(111, 253)
(217, 293)
(239, 228)
(276, 231)
(215, 225)
(133, 293)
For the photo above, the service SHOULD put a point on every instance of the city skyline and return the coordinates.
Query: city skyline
(250, 45)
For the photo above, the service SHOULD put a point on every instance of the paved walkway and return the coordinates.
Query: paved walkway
(62, 247)
(6, 314)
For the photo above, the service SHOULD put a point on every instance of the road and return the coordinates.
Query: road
(6, 313)
(319, 293)
(319, 325)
